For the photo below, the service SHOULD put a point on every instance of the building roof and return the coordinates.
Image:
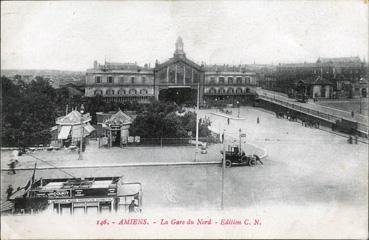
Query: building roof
(226, 68)
(73, 118)
(119, 118)
(176, 59)
(315, 81)
(338, 60)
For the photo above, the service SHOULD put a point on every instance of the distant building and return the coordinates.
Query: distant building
(342, 73)
(232, 82)
(120, 82)
(177, 79)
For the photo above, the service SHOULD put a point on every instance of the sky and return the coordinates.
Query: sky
(71, 35)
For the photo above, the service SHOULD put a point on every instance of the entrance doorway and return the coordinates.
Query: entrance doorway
(184, 95)
(115, 138)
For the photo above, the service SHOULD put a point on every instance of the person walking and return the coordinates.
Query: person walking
(258, 120)
(12, 166)
(9, 192)
(228, 121)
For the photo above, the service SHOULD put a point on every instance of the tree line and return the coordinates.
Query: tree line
(29, 110)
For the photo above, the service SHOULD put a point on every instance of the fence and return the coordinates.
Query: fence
(326, 116)
(170, 141)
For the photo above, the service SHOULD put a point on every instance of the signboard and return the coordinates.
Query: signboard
(94, 192)
(243, 135)
(137, 139)
(81, 200)
(53, 194)
(131, 139)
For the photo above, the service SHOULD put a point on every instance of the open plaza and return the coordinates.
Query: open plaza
(303, 168)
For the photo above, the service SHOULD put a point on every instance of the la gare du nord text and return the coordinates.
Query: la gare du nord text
(198, 221)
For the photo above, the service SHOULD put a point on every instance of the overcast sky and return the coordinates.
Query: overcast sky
(71, 35)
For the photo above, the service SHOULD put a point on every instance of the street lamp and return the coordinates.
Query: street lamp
(238, 105)
(223, 169)
(80, 147)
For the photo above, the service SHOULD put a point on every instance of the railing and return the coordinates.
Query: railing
(330, 117)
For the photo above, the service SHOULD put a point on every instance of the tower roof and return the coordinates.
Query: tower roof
(179, 52)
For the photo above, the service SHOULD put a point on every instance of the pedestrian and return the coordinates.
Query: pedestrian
(352, 113)
(350, 140)
(9, 192)
(228, 121)
(356, 139)
(12, 166)
(258, 120)
(132, 207)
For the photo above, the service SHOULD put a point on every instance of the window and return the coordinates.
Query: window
(238, 90)
(247, 80)
(121, 92)
(143, 91)
(212, 91)
(97, 79)
(98, 92)
(132, 91)
(221, 80)
(239, 80)
(121, 79)
(110, 79)
(221, 91)
(143, 79)
(212, 79)
(230, 90)
(110, 92)
(132, 79)
(230, 80)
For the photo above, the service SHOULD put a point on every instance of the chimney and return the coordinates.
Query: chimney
(95, 64)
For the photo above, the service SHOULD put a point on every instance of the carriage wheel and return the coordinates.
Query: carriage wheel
(228, 163)
(252, 162)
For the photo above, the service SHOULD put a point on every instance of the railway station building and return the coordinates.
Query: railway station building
(178, 79)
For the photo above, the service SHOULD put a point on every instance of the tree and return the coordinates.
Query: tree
(28, 112)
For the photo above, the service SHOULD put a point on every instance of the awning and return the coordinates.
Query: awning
(89, 128)
(64, 132)
(76, 131)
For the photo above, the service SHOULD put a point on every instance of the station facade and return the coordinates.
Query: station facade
(178, 79)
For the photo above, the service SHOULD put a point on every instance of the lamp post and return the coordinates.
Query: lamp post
(223, 169)
(197, 120)
(80, 147)
(238, 105)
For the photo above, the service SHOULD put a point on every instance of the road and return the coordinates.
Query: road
(309, 176)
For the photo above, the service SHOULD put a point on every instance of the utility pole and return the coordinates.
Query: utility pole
(197, 120)
(80, 147)
(223, 169)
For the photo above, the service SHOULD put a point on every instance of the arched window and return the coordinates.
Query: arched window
(212, 91)
(230, 90)
(98, 92)
(132, 91)
(230, 80)
(239, 80)
(247, 90)
(110, 92)
(247, 80)
(221, 80)
(143, 91)
(239, 90)
(221, 90)
(121, 92)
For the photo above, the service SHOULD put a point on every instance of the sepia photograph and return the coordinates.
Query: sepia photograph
(184, 119)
